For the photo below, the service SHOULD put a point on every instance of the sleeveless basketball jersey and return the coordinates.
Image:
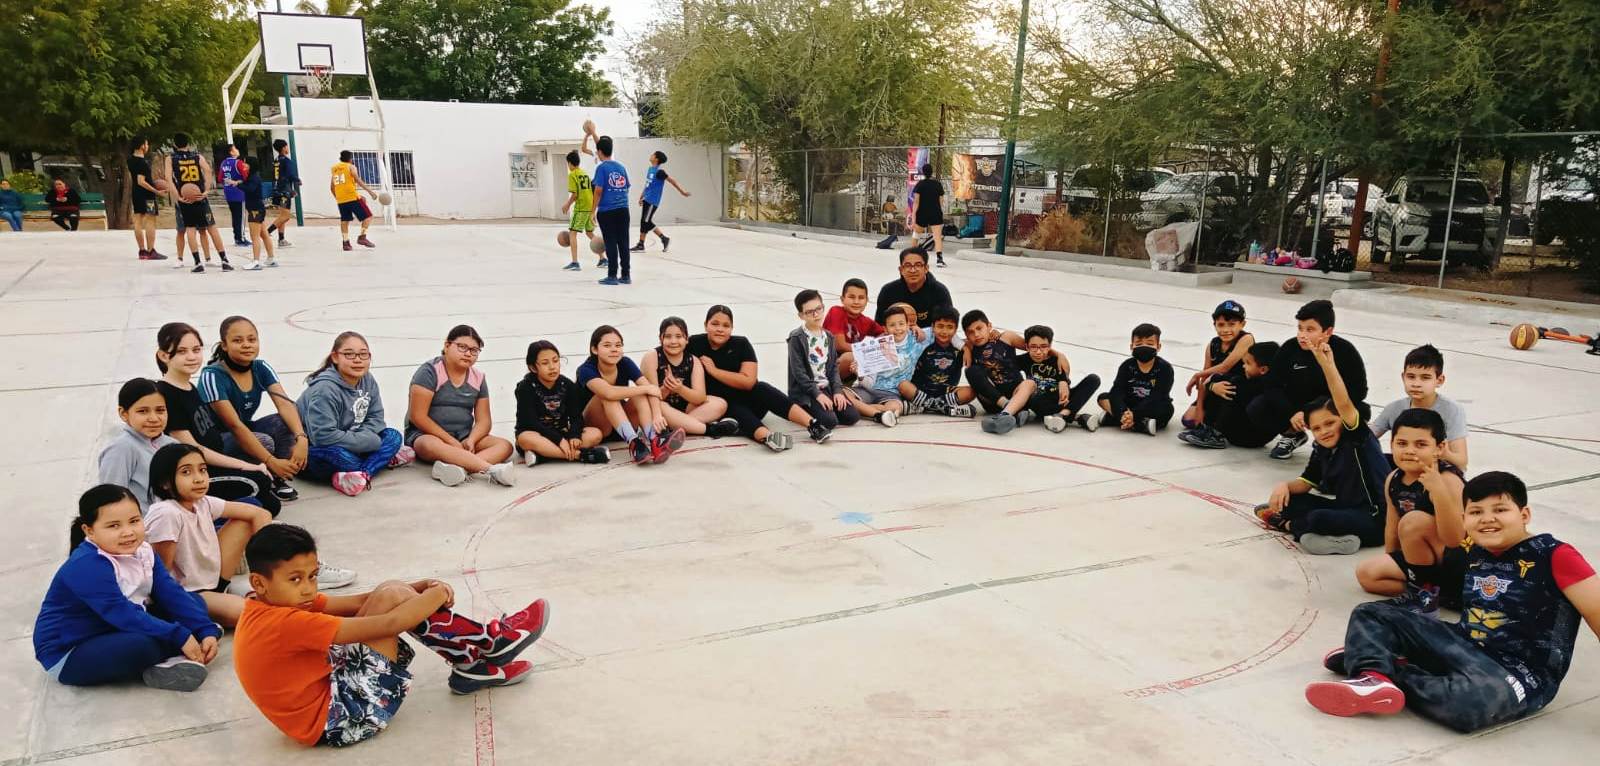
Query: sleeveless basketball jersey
(186, 169)
(344, 182)
(1513, 609)
(1220, 352)
(1413, 496)
(683, 371)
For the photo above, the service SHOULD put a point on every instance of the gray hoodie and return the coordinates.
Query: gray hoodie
(339, 415)
(125, 461)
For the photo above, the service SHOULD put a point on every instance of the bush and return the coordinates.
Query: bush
(1059, 229)
(26, 182)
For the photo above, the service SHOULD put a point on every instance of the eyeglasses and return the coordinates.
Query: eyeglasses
(354, 355)
(467, 350)
(811, 312)
(913, 266)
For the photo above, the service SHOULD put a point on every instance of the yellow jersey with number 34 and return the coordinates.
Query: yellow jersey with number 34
(344, 182)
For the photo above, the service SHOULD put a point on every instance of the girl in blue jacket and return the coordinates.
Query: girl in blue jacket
(112, 612)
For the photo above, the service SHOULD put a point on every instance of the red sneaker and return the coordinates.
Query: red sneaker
(1371, 693)
(532, 619)
(364, 242)
(664, 445)
(347, 247)
(470, 678)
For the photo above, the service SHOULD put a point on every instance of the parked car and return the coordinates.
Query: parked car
(1564, 206)
(1411, 222)
(1178, 198)
(1084, 192)
(1339, 203)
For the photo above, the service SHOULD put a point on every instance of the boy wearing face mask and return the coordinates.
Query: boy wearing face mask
(1140, 398)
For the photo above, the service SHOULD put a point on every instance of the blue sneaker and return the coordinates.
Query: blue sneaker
(610, 281)
(572, 267)
(625, 281)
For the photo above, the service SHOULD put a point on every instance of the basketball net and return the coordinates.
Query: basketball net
(321, 75)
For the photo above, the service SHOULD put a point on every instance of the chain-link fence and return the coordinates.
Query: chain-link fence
(1525, 223)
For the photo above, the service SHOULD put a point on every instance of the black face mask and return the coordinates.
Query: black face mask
(1144, 354)
(235, 366)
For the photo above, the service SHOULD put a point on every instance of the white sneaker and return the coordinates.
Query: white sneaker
(254, 266)
(961, 411)
(503, 474)
(178, 674)
(449, 474)
(1055, 423)
(330, 577)
(888, 418)
(1089, 421)
(529, 458)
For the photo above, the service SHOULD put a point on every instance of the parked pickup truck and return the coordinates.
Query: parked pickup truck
(1410, 222)
(1084, 192)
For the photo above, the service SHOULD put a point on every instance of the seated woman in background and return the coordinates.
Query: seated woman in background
(448, 419)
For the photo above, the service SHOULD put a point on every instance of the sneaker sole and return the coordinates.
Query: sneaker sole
(994, 425)
(779, 442)
(1091, 425)
(449, 475)
(180, 677)
(509, 654)
(1055, 424)
(481, 684)
(1335, 698)
(1330, 545)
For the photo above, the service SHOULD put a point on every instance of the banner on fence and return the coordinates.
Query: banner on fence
(916, 157)
(976, 178)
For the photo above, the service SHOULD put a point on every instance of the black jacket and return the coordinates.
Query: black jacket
(932, 294)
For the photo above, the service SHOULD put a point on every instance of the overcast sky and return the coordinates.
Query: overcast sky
(629, 17)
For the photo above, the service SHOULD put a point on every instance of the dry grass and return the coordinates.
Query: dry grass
(1062, 231)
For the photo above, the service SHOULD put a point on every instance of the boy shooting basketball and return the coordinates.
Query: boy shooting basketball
(342, 183)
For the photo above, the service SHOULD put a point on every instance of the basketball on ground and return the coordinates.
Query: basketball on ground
(1291, 285)
(597, 246)
(188, 192)
(564, 238)
(1523, 336)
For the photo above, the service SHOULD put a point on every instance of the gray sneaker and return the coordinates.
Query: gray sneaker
(1002, 423)
(178, 674)
(1055, 423)
(1088, 421)
(1284, 448)
(1329, 545)
(1024, 417)
(778, 441)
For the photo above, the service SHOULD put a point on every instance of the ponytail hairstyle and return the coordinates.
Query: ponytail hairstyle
(169, 337)
(327, 360)
(164, 469)
(595, 337)
(217, 354)
(134, 390)
(677, 322)
(89, 505)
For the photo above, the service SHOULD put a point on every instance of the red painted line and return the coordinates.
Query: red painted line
(883, 531)
(1142, 493)
(1289, 637)
(483, 728)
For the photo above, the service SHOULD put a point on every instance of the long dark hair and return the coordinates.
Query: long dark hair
(134, 390)
(327, 361)
(169, 336)
(719, 309)
(89, 505)
(677, 322)
(164, 469)
(595, 337)
(222, 335)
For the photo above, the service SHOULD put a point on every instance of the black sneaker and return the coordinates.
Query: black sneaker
(1145, 426)
(723, 427)
(199, 268)
(227, 266)
(639, 248)
(1284, 448)
(601, 263)
(1421, 599)
(938, 260)
(665, 241)
(285, 491)
(1203, 437)
(819, 432)
(594, 455)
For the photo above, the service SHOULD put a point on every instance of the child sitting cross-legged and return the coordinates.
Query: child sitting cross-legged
(1522, 598)
(333, 670)
(550, 413)
(990, 357)
(1057, 401)
(1140, 398)
(1227, 407)
(1424, 518)
(1347, 468)
(112, 612)
(814, 367)
(935, 383)
(877, 396)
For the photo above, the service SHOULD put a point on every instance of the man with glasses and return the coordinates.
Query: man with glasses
(915, 286)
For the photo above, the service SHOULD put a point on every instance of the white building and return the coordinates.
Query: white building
(482, 161)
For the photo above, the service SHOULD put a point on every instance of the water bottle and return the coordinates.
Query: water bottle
(1255, 252)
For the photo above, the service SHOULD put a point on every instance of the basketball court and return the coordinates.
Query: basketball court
(922, 594)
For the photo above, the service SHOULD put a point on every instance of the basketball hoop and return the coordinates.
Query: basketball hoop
(318, 78)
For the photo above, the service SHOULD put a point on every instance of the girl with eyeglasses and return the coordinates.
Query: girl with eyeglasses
(343, 414)
(448, 419)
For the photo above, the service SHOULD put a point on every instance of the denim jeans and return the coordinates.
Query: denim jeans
(323, 462)
(13, 217)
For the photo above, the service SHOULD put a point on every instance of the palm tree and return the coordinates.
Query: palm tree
(331, 7)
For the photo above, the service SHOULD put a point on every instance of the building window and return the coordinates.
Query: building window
(400, 164)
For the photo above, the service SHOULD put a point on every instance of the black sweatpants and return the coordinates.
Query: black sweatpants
(236, 211)
(232, 484)
(614, 229)
(1159, 410)
(1049, 402)
(848, 416)
(749, 407)
(67, 221)
(1232, 418)
(1446, 677)
(1315, 514)
(989, 394)
(1272, 409)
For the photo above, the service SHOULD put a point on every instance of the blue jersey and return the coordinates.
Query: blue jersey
(611, 178)
(655, 182)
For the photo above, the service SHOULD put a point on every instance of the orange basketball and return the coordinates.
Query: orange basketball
(564, 238)
(1523, 336)
(1291, 285)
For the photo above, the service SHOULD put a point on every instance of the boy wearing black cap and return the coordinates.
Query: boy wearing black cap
(1222, 354)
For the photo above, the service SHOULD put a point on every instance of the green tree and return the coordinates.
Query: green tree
(497, 51)
(85, 76)
(779, 75)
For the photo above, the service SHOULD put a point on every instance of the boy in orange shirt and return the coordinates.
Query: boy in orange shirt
(332, 670)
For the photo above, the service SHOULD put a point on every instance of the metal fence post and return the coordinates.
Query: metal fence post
(1449, 216)
(755, 180)
(1105, 238)
(1321, 197)
(866, 199)
(1205, 185)
(805, 186)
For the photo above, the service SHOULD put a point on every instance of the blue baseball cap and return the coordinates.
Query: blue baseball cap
(1229, 308)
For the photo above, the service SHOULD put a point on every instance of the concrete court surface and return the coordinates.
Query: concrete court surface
(927, 594)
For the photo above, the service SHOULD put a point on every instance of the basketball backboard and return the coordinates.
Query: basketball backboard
(291, 43)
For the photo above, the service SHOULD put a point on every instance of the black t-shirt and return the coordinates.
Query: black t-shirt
(554, 412)
(185, 412)
(729, 358)
(932, 294)
(1047, 375)
(1295, 371)
(999, 361)
(1353, 472)
(140, 167)
(938, 369)
(928, 192)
